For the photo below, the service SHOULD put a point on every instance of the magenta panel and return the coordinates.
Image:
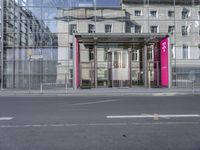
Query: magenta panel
(164, 62)
(77, 63)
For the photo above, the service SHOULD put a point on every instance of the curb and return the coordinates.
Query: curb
(157, 94)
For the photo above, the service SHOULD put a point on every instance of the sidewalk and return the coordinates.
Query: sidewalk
(137, 91)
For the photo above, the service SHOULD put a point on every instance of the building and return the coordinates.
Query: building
(149, 43)
(26, 65)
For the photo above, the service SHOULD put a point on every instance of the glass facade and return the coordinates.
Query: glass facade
(38, 42)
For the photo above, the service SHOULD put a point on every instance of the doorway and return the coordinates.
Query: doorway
(120, 68)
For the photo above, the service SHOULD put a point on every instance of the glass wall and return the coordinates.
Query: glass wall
(1, 36)
(38, 38)
(36, 45)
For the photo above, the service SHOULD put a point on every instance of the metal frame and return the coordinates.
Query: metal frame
(1, 42)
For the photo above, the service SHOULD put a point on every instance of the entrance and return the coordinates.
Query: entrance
(103, 61)
(120, 68)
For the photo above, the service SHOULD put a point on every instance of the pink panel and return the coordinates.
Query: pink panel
(77, 63)
(164, 62)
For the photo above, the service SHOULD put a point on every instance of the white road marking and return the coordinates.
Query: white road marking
(153, 116)
(6, 118)
(99, 124)
(97, 102)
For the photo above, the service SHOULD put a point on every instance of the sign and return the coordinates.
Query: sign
(37, 57)
(164, 61)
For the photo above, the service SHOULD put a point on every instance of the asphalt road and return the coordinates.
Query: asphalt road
(100, 123)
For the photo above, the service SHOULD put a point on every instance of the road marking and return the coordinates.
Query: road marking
(99, 124)
(164, 94)
(6, 118)
(154, 116)
(98, 102)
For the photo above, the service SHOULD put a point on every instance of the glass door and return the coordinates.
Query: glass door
(120, 68)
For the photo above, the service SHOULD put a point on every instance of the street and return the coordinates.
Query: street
(100, 123)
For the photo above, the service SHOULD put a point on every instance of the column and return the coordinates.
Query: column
(145, 66)
(75, 60)
(95, 64)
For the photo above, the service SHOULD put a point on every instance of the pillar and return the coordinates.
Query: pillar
(145, 66)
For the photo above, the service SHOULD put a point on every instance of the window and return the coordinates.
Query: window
(91, 28)
(72, 29)
(138, 13)
(199, 50)
(108, 28)
(138, 28)
(199, 31)
(171, 29)
(71, 73)
(106, 53)
(71, 51)
(135, 56)
(170, 13)
(185, 51)
(149, 53)
(91, 54)
(185, 13)
(153, 13)
(199, 14)
(184, 30)
(154, 29)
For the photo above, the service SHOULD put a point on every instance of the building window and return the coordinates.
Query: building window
(72, 29)
(108, 28)
(91, 28)
(71, 73)
(184, 30)
(154, 29)
(149, 53)
(199, 50)
(185, 51)
(171, 29)
(71, 51)
(185, 13)
(91, 54)
(135, 55)
(106, 53)
(199, 14)
(138, 28)
(138, 13)
(153, 13)
(170, 13)
(199, 31)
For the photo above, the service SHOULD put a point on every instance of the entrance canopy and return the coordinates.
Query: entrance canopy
(135, 39)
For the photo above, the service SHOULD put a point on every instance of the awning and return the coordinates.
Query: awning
(120, 37)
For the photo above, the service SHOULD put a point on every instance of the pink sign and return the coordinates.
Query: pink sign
(77, 63)
(164, 62)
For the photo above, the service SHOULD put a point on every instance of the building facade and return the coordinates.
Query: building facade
(57, 44)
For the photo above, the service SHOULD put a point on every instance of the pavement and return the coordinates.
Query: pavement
(100, 123)
(136, 91)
